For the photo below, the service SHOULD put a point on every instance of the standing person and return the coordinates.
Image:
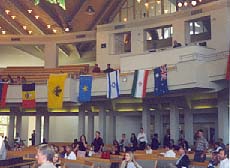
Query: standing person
(201, 147)
(82, 146)
(108, 69)
(3, 150)
(96, 69)
(133, 141)
(45, 156)
(155, 143)
(32, 139)
(97, 142)
(129, 161)
(142, 139)
(224, 161)
(167, 138)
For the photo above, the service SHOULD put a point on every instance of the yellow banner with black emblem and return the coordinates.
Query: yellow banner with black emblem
(56, 85)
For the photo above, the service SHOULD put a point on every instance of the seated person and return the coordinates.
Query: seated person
(69, 153)
(176, 44)
(155, 143)
(115, 148)
(129, 161)
(96, 69)
(224, 161)
(169, 152)
(148, 149)
(56, 161)
(123, 142)
(214, 160)
(109, 69)
(183, 161)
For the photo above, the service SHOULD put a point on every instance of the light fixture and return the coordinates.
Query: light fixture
(166, 11)
(146, 4)
(29, 10)
(24, 27)
(185, 3)
(66, 29)
(200, 0)
(13, 16)
(54, 30)
(3, 32)
(193, 2)
(48, 26)
(125, 19)
(179, 4)
(139, 1)
(158, 2)
(36, 17)
(7, 11)
(90, 10)
(30, 32)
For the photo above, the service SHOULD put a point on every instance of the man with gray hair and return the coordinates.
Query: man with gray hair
(45, 156)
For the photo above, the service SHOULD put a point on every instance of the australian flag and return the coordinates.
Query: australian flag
(85, 88)
(160, 76)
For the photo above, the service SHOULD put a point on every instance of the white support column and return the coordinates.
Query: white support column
(188, 125)
(158, 124)
(11, 130)
(38, 130)
(112, 127)
(46, 127)
(51, 55)
(19, 124)
(90, 126)
(146, 120)
(102, 122)
(223, 117)
(174, 122)
(81, 123)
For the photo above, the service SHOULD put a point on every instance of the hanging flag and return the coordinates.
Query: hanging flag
(3, 93)
(113, 84)
(140, 83)
(85, 88)
(28, 95)
(56, 84)
(228, 68)
(160, 76)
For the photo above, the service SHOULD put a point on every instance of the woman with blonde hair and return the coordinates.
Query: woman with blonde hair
(129, 161)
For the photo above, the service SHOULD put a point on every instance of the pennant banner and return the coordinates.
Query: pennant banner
(139, 83)
(3, 93)
(56, 84)
(85, 88)
(160, 77)
(113, 90)
(28, 95)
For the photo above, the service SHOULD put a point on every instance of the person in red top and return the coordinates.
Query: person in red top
(96, 69)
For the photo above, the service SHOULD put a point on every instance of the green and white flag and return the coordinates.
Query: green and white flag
(140, 83)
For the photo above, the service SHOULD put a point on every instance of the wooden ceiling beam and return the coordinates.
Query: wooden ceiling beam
(12, 22)
(75, 11)
(107, 5)
(40, 27)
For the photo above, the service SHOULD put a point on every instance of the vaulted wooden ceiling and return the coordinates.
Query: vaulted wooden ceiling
(16, 19)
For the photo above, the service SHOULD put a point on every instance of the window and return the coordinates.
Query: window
(122, 42)
(159, 37)
(200, 29)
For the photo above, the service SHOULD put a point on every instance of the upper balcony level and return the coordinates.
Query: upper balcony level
(148, 42)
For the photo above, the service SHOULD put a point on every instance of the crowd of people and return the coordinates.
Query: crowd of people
(9, 79)
(81, 148)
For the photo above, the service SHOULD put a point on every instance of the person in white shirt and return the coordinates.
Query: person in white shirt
(3, 151)
(169, 152)
(142, 139)
(148, 149)
(224, 161)
(69, 153)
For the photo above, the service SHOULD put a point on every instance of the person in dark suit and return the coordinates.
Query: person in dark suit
(155, 143)
(183, 161)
